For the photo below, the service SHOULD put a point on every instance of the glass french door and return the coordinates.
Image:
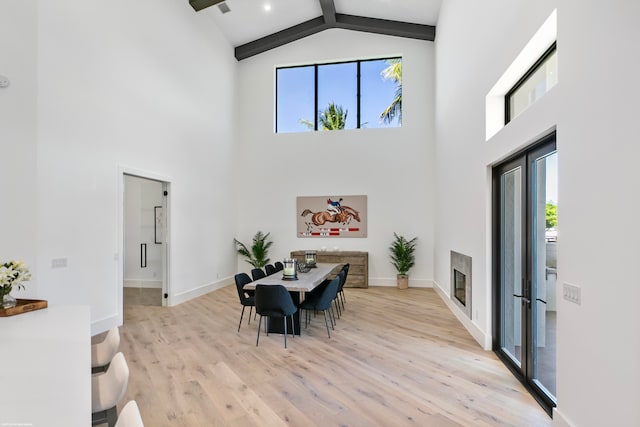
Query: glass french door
(525, 268)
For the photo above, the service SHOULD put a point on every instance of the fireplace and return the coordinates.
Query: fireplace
(461, 282)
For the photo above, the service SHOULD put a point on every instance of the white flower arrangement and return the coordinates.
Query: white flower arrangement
(13, 273)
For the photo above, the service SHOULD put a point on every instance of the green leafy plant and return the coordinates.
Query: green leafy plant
(394, 110)
(402, 254)
(334, 117)
(551, 215)
(257, 256)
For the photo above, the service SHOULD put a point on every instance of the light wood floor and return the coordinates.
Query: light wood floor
(396, 358)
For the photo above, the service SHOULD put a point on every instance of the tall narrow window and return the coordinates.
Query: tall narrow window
(338, 96)
(381, 98)
(295, 88)
(537, 81)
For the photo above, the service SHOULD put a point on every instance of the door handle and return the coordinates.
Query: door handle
(143, 255)
(524, 299)
(541, 300)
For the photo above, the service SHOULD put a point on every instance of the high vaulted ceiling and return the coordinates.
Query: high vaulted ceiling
(255, 26)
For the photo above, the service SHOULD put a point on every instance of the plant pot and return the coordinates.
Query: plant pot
(403, 281)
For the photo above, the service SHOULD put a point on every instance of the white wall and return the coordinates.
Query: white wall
(599, 178)
(18, 39)
(152, 86)
(140, 199)
(594, 110)
(393, 167)
(472, 53)
(119, 84)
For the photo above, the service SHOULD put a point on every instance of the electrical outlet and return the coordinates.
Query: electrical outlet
(4, 81)
(571, 293)
(58, 263)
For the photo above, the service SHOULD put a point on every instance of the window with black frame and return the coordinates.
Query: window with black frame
(342, 95)
(538, 80)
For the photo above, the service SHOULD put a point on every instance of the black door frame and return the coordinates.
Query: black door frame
(524, 159)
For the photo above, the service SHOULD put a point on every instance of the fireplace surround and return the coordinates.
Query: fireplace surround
(460, 292)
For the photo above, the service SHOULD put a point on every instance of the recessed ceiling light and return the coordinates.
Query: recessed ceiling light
(267, 7)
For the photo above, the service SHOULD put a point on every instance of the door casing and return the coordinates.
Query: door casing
(166, 253)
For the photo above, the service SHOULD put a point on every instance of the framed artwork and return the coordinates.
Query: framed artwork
(331, 216)
(157, 224)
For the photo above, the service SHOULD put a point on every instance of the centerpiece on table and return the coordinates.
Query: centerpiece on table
(310, 258)
(12, 273)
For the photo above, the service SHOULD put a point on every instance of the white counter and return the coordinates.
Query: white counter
(45, 368)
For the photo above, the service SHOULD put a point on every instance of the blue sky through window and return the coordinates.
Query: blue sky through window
(376, 94)
(336, 83)
(295, 98)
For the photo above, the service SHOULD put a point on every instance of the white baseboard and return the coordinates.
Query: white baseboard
(559, 420)
(141, 283)
(391, 282)
(199, 291)
(478, 334)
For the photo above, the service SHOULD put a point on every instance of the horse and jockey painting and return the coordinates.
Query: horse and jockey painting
(332, 216)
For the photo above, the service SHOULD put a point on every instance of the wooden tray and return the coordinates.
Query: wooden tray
(23, 306)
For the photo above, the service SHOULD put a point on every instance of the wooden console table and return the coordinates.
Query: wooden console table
(358, 276)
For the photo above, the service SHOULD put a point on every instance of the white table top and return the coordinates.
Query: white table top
(305, 282)
(45, 368)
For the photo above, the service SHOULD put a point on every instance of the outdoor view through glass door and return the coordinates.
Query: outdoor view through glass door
(525, 268)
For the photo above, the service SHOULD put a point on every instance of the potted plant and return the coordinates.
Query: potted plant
(257, 256)
(403, 258)
(12, 273)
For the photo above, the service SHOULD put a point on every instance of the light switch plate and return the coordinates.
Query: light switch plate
(58, 263)
(571, 293)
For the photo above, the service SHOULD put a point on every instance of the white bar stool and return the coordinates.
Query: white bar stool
(106, 391)
(103, 352)
(130, 416)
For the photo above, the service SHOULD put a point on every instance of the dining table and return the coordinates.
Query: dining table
(305, 282)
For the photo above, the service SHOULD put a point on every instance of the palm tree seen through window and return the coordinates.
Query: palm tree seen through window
(337, 103)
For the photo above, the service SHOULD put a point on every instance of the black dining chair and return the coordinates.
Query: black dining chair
(257, 273)
(270, 269)
(322, 301)
(340, 294)
(279, 266)
(275, 301)
(247, 298)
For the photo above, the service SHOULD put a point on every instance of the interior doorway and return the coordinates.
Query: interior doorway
(525, 269)
(144, 241)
